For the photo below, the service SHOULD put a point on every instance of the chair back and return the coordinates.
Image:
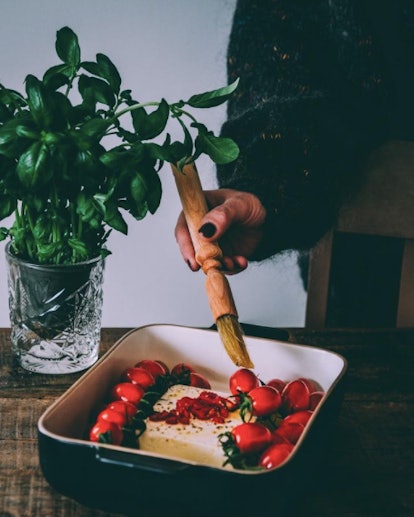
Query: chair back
(384, 206)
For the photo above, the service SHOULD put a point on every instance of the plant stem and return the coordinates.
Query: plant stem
(134, 107)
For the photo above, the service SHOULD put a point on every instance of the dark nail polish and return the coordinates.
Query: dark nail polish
(208, 230)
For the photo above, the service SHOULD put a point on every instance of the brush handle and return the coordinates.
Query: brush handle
(208, 254)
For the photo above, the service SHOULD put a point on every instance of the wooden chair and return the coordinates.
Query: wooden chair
(383, 207)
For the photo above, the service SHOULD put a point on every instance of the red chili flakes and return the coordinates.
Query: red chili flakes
(207, 406)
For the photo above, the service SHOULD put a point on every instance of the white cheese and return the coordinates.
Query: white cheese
(197, 441)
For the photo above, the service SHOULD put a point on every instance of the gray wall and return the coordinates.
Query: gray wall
(162, 48)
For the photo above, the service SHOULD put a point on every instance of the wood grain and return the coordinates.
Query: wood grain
(370, 470)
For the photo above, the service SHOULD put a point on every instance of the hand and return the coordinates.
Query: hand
(235, 220)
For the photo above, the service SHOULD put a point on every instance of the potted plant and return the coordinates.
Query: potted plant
(77, 152)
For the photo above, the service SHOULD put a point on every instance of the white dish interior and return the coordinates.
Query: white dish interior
(69, 417)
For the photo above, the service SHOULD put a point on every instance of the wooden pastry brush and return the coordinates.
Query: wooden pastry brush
(208, 256)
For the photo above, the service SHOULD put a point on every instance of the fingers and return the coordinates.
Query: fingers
(229, 208)
(182, 236)
(234, 265)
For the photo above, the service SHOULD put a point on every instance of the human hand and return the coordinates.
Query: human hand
(235, 220)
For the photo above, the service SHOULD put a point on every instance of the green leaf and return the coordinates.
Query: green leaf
(79, 247)
(114, 218)
(4, 233)
(7, 205)
(220, 149)
(67, 46)
(94, 128)
(109, 72)
(58, 75)
(95, 89)
(154, 193)
(11, 145)
(38, 102)
(214, 97)
(149, 126)
(139, 188)
(33, 166)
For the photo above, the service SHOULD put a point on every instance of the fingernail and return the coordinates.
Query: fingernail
(208, 230)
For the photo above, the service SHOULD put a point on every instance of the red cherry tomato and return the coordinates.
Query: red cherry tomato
(243, 380)
(274, 455)
(155, 368)
(182, 368)
(139, 376)
(315, 398)
(106, 432)
(265, 400)
(128, 392)
(125, 408)
(290, 431)
(165, 367)
(300, 417)
(278, 438)
(277, 383)
(199, 381)
(110, 415)
(251, 437)
(295, 396)
(312, 385)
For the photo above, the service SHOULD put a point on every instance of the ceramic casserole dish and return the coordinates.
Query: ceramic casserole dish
(134, 482)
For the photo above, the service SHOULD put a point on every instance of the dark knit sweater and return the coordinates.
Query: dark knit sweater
(322, 82)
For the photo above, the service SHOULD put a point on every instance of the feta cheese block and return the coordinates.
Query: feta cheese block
(197, 441)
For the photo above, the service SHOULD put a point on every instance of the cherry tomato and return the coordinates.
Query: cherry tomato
(295, 396)
(128, 392)
(125, 408)
(139, 376)
(315, 398)
(312, 385)
(277, 383)
(290, 431)
(300, 417)
(251, 437)
(167, 370)
(265, 400)
(106, 432)
(182, 368)
(155, 368)
(110, 415)
(278, 438)
(199, 381)
(274, 455)
(243, 380)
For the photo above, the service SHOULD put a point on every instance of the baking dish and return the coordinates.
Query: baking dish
(130, 481)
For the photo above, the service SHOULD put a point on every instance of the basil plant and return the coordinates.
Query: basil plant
(65, 186)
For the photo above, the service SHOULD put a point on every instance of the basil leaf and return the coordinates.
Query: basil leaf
(33, 166)
(38, 101)
(96, 90)
(109, 72)
(7, 205)
(149, 126)
(4, 233)
(114, 218)
(214, 97)
(67, 46)
(220, 149)
(11, 144)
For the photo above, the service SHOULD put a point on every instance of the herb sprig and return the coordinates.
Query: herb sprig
(67, 187)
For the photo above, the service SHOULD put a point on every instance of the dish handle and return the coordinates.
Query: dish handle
(137, 461)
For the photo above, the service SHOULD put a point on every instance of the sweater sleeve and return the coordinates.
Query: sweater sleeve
(310, 105)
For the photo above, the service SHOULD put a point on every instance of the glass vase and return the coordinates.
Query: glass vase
(55, 314)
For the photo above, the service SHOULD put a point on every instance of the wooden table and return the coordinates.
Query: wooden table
(371, 468)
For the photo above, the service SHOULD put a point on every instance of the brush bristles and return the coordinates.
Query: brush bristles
(231, 335)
